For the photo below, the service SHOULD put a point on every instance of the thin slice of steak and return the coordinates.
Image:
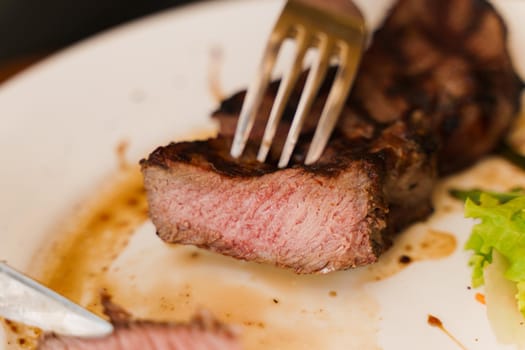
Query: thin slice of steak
(431, 97)
(203, 332)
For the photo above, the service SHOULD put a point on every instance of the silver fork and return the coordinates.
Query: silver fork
(336, 29)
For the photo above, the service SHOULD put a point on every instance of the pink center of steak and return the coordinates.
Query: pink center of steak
(293, 217)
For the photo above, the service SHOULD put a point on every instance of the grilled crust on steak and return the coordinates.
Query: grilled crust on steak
(202, 332)
(431, 97)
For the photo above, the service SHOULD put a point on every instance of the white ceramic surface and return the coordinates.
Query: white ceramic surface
(148, 82)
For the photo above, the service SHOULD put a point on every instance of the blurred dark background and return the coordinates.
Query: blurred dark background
(33, 29)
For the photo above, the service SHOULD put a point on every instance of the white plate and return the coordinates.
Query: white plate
(147, 82)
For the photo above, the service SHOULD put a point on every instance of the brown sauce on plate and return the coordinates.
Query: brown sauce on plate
(86, 251)
(418, 243)
(436, 322)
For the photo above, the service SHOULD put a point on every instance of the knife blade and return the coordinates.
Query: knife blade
(24, 300)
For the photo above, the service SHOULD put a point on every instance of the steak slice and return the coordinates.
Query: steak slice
(429, 99)
(329, 216)
(203, 332)
(293, 218)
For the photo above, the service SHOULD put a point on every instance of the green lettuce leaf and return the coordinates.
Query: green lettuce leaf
(475, 194)
(501, 227)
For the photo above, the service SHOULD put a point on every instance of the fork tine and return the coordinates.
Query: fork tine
(311, 88)
(334, 103)
(255, 95)
(285, 89)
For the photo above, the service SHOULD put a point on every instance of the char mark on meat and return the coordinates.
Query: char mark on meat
(432, 96)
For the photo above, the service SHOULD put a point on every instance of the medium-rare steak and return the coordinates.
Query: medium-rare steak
(435, 92)
(325, 217)
(203, 332)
